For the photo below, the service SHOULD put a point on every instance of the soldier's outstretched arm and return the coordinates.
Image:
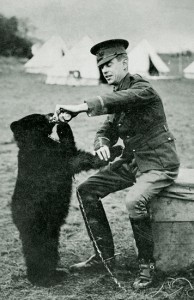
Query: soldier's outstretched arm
(61, 111)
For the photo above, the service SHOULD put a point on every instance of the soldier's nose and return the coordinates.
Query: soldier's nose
(104, 69)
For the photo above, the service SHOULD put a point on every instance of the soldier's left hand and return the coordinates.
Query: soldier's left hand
(103, 153)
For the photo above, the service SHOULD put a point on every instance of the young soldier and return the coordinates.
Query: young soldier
(148, 164)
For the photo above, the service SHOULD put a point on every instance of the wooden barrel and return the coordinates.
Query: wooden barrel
(173, 224)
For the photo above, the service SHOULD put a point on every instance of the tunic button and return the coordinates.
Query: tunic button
(133, 150)
(127, 136)
(119, 124)
(169, 139)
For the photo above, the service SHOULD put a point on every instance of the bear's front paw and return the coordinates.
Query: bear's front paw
(115, 151)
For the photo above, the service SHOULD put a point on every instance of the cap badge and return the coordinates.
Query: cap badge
(101, 54)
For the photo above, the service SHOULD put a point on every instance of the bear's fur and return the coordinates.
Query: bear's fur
(42, 194)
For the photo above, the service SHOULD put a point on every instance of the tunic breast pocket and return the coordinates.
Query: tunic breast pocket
(164, 149)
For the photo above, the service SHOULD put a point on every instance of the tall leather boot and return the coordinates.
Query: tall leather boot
(142, 231)
(96, 223)
(144, 241)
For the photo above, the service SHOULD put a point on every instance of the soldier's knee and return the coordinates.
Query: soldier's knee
(82, 187)
(137, 207)
(85, 188)
(86, 194)
(88, 200)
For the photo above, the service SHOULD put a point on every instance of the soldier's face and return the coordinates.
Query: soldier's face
(114, 71)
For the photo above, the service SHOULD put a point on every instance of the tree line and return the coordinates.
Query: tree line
(14, 40)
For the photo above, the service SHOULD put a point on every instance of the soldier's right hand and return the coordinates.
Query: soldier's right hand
(103, 153)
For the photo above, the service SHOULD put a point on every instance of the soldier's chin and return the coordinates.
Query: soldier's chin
(110, 81)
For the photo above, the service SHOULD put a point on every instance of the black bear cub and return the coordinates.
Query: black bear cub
(42, 194)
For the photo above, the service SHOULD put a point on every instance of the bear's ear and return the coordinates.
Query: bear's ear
(14, 126)
(49, 116)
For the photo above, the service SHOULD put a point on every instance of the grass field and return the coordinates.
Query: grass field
(23, 94)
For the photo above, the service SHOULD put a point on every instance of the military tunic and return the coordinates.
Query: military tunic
(136, 115)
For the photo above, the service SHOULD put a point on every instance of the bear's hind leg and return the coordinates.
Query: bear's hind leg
(41, 255)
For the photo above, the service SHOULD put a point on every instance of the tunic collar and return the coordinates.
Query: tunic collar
(124, 83)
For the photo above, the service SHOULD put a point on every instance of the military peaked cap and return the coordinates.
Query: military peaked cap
(107, 50)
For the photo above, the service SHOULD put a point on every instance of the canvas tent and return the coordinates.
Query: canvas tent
(46, 55)
(35, 47)
(78, 67)
(144, 60)
(189, 71)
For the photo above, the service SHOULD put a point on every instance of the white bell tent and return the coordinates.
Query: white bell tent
(189, 71)
(144, 60)
(46, 56)
(78, 67)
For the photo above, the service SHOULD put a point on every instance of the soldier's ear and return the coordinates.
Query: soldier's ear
(125, 64)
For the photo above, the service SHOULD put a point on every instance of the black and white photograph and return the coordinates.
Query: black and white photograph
(97, 150)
